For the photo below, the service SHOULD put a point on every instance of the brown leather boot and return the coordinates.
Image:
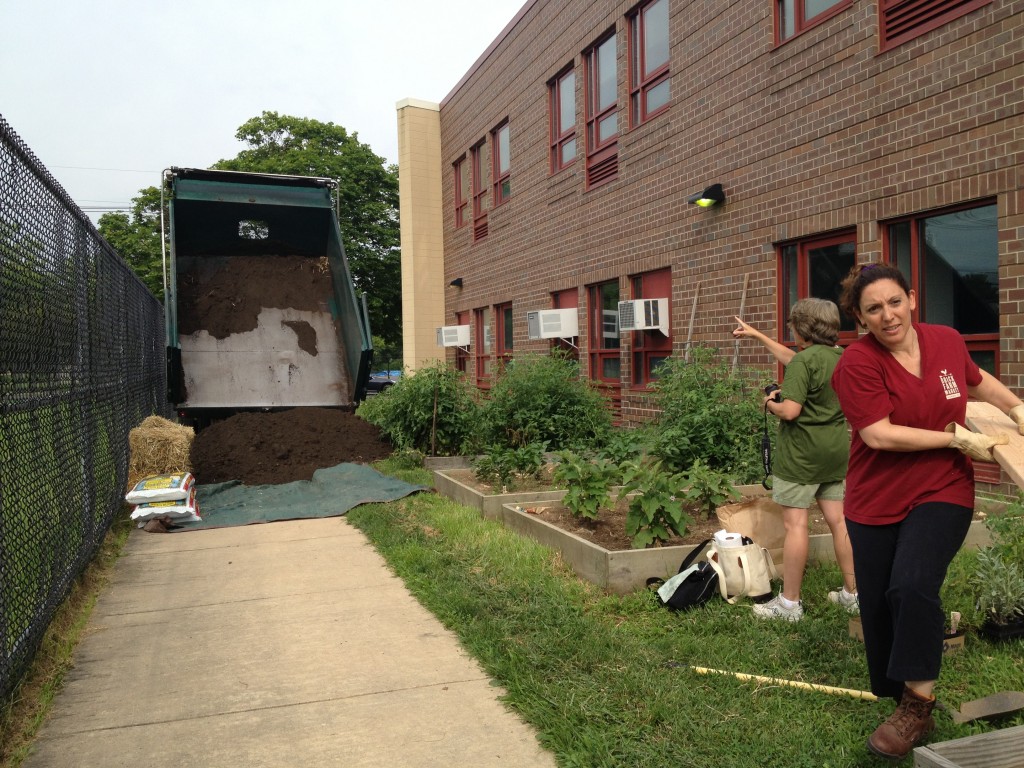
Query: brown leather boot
(910, 723)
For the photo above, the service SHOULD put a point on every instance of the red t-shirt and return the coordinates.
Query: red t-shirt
(883, 486)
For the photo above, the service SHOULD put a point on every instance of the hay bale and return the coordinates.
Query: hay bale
(158, 447)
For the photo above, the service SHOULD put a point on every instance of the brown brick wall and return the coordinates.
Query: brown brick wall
(820, 134)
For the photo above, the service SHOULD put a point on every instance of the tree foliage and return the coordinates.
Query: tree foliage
(136, 237)
(368, 198)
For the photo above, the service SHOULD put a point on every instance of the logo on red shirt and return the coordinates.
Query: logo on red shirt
(949, 385)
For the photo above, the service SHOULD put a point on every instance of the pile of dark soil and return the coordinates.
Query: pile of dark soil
(283, 446)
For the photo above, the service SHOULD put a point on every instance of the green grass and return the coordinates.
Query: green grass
(606, 680)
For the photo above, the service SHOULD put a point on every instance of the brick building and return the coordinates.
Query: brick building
(556, 175)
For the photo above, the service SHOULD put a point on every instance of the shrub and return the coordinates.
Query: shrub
(432, 411)
(504, 466)
(589, 483)
(998, 580)
(657, 510)
(708, 413)
(542, 398)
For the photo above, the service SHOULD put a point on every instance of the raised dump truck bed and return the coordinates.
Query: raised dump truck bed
(261, 310)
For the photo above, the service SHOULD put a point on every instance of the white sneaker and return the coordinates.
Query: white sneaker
(774, 609)
(842, 597)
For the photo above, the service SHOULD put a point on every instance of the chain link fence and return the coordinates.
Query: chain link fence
(81, 363)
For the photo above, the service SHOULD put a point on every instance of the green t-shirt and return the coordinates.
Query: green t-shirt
(814, 447)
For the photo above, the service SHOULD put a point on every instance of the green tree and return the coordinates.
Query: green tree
(368, 197)
(136, 238)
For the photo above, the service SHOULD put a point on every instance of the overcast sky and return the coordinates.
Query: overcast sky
(108, 93)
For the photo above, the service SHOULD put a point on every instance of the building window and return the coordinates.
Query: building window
(814, 268)
(501, 164)
(462, 353)
(461, 191)
(649, 56)
(482, 346)
(563, 119)
(651, 348)
(503, 333)
(569, 299)
(951, 259)
(603, 300)
(602, 112)
(795, 16)
(900, 21)
(479, 192)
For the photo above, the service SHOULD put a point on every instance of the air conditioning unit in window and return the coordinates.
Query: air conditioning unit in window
(553, 324)
(453, 336)
(644, 315)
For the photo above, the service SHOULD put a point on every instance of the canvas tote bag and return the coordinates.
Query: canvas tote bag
(744, 570)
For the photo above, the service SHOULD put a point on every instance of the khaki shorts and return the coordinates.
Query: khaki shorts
(800, 495)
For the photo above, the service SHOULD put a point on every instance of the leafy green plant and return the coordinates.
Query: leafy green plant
(657, 509)
(504, 466)
(625, 444)
(537, 398)
(709, 413)
(589, 482)
(708, 487)
(998, 579)
(433, 411)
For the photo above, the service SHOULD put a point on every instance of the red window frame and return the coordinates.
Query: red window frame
(482, 346)
(646, 76)
(602, 150)
(479, 192)
(797, 273)
(603, 331)
(501, 164)
(797, 11)
(503, 333)
(901, 20)
(651, 347)
(562, 95)
(910, 264)
(461, 170)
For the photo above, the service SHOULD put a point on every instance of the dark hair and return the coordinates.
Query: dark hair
(860, 277)
(816, 320)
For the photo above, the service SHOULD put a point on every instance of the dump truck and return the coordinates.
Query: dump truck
(261, 312)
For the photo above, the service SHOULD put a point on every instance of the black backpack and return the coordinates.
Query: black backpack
(692, 586)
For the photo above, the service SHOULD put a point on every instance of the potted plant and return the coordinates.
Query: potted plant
(998, 579)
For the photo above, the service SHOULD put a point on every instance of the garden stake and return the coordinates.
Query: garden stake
(864, 695)
(743, 304)
(693, 312)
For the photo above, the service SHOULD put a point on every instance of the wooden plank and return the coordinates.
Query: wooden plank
(989, 420)
(693, 313)
(743, 304)
(997, 749)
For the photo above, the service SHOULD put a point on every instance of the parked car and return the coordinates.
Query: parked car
(381, 380)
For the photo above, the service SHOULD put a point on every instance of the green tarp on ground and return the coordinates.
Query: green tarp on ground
(331, 492)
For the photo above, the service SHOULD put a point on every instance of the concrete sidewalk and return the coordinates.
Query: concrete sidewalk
(284, 644)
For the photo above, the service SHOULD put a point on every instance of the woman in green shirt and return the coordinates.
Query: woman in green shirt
(812, 450)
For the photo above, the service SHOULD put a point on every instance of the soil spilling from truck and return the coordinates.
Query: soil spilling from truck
(283, 446)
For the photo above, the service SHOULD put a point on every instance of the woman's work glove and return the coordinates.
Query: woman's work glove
(1017, 414)
(975, 444)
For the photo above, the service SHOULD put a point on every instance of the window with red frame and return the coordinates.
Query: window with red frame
(602, 112)
(569, 299)
(503, 333)
(951, 259)
(795, 16)
(649, 61)
(482, 346)
(461, 353)
(815, 268)
(502, 166)
(651, 348)
(900, 20)
(563, 119)
(479, 192)
(603, 331)
(461, 168)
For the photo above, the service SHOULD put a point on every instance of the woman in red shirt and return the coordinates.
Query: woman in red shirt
(903, 387)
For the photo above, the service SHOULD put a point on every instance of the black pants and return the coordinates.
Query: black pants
(900, 568)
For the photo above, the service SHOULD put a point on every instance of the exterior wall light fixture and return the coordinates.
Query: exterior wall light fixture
(710, 196)
(456, 283)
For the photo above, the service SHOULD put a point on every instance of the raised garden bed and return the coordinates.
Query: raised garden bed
(996, 749)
